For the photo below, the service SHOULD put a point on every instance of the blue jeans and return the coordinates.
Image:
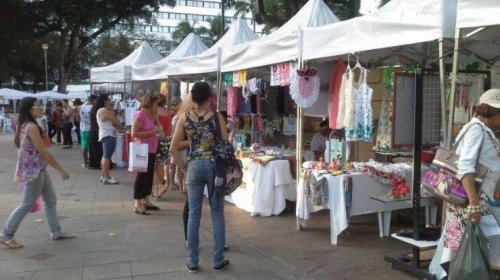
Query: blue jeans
(41, 185)
(199, 174)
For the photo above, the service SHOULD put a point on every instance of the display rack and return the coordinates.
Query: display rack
(414, 266)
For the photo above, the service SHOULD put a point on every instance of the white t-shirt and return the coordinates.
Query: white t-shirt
(85, 117)
(130, 107)
(318, 142)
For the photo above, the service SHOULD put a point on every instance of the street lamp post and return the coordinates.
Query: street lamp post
(45, 47)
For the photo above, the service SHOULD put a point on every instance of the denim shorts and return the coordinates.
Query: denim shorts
(108, 146)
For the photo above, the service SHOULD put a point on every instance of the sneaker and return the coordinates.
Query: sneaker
(192, 269)
(102, 178)
(225, 264)
(109, 181)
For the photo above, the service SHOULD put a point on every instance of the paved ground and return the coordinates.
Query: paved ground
(115, 243)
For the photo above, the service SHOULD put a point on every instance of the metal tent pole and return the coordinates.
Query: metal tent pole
(451, 114)
(442, 81)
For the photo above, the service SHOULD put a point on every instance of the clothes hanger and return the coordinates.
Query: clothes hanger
(358, 65)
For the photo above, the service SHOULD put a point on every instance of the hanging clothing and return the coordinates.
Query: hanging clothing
(258, 102)
(334, 92)
(228, 79)
(347, 101)
(242, 78)
(304, 88)
(232, 101)
(384, 128)
(284, 70)
(275, 75)
(236, 79)
(363, 128)
(130, 106)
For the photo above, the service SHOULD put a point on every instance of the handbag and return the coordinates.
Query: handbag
(441, 179)
(138, 157)
(228, 169)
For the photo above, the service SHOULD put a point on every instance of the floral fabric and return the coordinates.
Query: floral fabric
(29, 162)
(455, 223)
(201, 136)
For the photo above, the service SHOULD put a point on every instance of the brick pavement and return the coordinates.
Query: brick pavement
(114, 243)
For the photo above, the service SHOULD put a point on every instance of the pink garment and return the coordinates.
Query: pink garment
(259, 104)
(29, 161)
(147, 124)
(213, 103)
(333, 102)
(284, 70)
(232, 101)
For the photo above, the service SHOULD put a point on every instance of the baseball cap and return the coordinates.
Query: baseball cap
(491, 97)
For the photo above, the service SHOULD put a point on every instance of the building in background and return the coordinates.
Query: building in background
(194, 11)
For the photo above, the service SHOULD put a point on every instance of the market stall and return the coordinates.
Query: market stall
(121, 72)
(394, 35)
(353, 194)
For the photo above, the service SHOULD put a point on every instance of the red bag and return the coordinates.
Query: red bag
(47, 142)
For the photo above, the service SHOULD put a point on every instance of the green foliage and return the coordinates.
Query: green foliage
(387, 79)
(78, 23)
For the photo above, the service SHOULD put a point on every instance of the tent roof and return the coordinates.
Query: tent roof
(191, 45)
(280, 45)
(208, 61)
(478, 13)
(396, 24)
(13, 94)
(121, 71)
(51, 95)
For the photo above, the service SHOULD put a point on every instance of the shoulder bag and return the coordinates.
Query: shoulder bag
(441, 179)
(228, 169)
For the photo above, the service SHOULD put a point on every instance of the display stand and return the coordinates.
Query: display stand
(414, 267)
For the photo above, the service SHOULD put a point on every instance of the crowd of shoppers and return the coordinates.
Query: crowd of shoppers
(169, 162)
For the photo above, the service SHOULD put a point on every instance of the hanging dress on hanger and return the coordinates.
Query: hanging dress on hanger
(345, 98)
(363, 128)
(334, 92)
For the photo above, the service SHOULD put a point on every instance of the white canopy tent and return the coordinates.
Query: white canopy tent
(76, 91)
(51, 95)
(209, 60)
(190, 46)
(385, 32)
(477, 13)
(480, 22)
(13, 94)
(121, 71)
(281, 45)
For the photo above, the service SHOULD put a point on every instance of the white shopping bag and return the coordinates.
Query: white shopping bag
(138, 157)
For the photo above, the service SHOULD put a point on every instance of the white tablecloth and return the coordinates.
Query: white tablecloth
(363, 188)
(266, 188)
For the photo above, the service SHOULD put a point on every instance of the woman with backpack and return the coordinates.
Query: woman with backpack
(199, 126)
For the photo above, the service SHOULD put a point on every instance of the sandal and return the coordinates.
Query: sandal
(160, 193)
(142, 212)
(11, 243)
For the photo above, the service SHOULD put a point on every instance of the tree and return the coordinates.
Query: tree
(216, 30)
(185, 27)
(15, 36)
(79, 23)
(275, 13)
